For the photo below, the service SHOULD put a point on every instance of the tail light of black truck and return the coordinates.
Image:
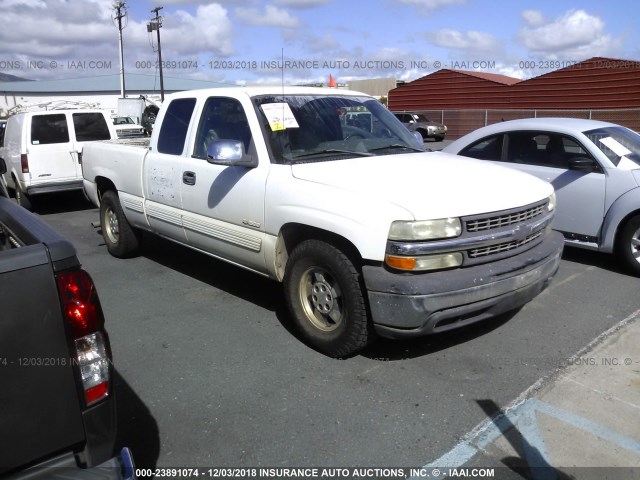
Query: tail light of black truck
(85, 322)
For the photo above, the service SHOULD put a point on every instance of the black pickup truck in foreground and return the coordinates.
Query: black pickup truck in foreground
(57, 409)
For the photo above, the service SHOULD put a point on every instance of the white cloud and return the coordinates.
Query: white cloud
(575, 35)
(533, 18)
(302, 3)
(271, 16)
(470, 40)
(321, 44)
(432, 4)
(209, 30)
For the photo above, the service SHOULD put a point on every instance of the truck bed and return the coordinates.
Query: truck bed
(120, 161)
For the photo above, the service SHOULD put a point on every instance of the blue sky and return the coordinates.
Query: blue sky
(244, 41)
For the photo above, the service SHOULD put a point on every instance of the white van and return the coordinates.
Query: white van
(43, 150)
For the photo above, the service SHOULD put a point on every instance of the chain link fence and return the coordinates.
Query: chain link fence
(461, 122)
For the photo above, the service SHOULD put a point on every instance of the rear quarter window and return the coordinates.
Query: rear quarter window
(90, 126)
(48, 129)
(175, 124)
(485, 149)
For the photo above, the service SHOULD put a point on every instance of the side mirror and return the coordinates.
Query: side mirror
(3, 166)
(418, 137)
(229, 153)
(583, 164)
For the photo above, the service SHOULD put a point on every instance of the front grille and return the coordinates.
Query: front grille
(498, 221)
(502, 247)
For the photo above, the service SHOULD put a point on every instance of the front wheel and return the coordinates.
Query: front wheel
(326, 299)
(121, 239)
(629, 244)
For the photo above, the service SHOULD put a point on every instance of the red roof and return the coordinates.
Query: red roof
(492, 77)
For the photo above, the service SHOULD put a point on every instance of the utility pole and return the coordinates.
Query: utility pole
(120, 13)
(156, 24)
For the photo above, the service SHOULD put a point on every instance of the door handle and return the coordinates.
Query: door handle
(189, 178)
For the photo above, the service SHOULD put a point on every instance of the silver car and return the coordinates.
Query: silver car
(418, 122)
(594, 167)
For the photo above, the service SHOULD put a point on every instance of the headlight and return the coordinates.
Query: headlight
(551, 206)
(425, 229)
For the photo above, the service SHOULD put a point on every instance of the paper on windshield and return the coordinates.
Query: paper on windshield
(615, 146)
(279, 116)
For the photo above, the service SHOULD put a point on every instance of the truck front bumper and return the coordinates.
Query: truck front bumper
(406, 305)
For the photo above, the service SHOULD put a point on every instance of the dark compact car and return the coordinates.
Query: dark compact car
(418, 122)
(57, 404)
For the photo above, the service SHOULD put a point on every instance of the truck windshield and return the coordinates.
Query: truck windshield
(312, 128)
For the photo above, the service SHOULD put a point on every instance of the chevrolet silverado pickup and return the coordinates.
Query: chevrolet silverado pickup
(57, 410)
(368, 233)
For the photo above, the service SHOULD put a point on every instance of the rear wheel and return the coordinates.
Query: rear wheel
(629, 244)
(121, 239)
(326, 299)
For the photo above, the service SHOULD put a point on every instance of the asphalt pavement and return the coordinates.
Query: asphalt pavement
(209, 373)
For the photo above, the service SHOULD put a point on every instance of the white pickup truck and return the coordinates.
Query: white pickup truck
(368, 233)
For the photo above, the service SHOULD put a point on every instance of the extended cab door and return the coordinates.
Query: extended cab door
(163, 170)
(223, 206)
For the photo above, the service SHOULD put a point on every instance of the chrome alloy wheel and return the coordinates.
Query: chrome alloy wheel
(634, 245)
(321, 299)
(110, 224)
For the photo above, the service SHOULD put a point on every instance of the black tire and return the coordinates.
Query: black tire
(326, 299)
(440, 138)
(629, 244)
(122, 240)
(22, 198)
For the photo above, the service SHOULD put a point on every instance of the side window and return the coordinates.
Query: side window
(526, 147)
(90, 126)
(47, 129)
(173, 131)
(486, 149)
(222, 119)
(544, 149)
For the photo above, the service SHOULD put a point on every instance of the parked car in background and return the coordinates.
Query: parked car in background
(418, 122)
(594, 167)
(127, 128)
(58, 410)
(43, 149)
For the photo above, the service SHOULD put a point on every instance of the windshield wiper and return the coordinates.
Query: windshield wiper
(332, 150)
(394, 146)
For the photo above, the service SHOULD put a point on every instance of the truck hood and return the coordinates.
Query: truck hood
(429, 185)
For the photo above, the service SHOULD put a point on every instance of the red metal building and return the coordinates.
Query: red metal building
(598, 88)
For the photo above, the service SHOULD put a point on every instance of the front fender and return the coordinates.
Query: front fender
(624, 206)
